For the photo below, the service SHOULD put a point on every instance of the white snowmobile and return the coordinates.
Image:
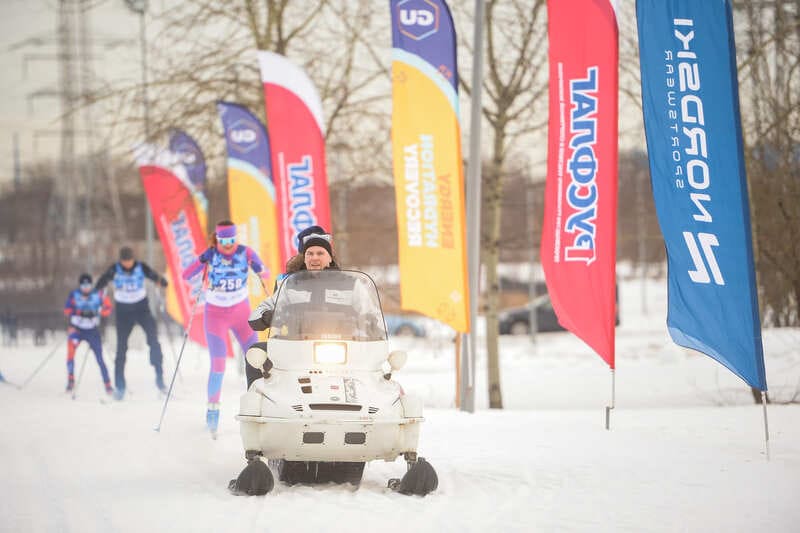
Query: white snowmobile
(327, 402)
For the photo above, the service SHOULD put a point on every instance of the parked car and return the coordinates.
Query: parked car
(404, 326)
(517, 320)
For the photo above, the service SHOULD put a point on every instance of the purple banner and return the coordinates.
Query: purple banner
(245, 137)
(191, 156)
(424, 28)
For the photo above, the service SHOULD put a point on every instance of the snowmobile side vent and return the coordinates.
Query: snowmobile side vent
(334, 407)
(306, 389)
(313, 437)
(297, 407)
(355, 438)
(373, 410)
(304, 380)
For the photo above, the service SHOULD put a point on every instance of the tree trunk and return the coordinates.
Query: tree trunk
(491, 242)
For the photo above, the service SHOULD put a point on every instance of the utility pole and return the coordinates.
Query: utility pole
(66, 55)
(87, 228)
(140, 7)
(17, 165)
(17, 183)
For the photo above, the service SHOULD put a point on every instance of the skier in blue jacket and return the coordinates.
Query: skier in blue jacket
(132, 307)
(84, 307)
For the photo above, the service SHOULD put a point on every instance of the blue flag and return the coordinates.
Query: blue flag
(690, 101)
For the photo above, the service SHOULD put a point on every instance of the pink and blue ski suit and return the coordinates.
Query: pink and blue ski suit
(227, 305)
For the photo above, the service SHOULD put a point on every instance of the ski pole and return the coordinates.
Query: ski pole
(180, 354)
(80, 372)
(41, 365)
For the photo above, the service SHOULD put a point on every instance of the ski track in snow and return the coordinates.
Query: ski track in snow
(685, 453)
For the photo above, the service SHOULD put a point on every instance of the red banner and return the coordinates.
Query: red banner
(296, 132)
(578, 250)
(181, 236)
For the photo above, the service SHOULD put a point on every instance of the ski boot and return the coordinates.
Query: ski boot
(119, 393)
(212, 419)
(109, 389)
(70, 383)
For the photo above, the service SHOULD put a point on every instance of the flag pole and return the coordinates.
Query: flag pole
(473, 215)
(613, 394)
(458, 369)
(766, 425)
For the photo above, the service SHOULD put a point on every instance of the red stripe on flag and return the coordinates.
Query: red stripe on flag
(298, 165)
(181, 237)
(578, 250)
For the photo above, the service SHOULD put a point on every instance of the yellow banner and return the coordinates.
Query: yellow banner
(429, 191)
(252, 208)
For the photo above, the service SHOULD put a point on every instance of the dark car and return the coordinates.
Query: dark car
(404, 326)
(517, 320)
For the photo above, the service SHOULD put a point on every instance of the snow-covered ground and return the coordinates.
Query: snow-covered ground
(685, 452)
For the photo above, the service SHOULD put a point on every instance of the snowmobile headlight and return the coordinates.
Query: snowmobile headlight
(330, 352)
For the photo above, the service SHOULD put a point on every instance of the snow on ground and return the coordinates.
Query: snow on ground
(685, 453)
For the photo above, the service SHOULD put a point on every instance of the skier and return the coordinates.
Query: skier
(227, 304)
(84, 307)
(132, 306)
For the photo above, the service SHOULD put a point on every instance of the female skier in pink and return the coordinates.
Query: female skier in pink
(227, 304)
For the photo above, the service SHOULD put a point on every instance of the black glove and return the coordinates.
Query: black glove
(205, 257)
(163, 282)
(260, 324)
(88, 314)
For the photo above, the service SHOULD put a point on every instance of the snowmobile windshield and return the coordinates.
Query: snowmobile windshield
(328, 305)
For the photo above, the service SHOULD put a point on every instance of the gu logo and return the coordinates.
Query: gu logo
(418, 18)
(243, 136)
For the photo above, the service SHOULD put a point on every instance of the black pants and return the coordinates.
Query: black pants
(127, 316)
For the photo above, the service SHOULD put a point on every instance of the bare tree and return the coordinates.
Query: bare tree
(515, 92)
(769, 73)
(204, 51)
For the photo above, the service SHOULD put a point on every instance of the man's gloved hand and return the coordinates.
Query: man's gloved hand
(163, 282)
(261, 323)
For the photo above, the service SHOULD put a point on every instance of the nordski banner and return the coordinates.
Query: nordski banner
(579, 232)
(690, 101)
(297, 141)
(428, 175)
(179, 231)
(251, 192)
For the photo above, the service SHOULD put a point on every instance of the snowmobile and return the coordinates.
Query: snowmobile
(327, 403)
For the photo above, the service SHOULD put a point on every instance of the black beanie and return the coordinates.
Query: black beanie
(318, 241)
(125, 253)
(308, 231)
(84, 278)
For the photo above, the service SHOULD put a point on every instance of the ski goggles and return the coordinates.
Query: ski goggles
(323, 236)
(86, 285)
(226, 241)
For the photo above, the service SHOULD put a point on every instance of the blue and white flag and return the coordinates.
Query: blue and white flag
(690, 101)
